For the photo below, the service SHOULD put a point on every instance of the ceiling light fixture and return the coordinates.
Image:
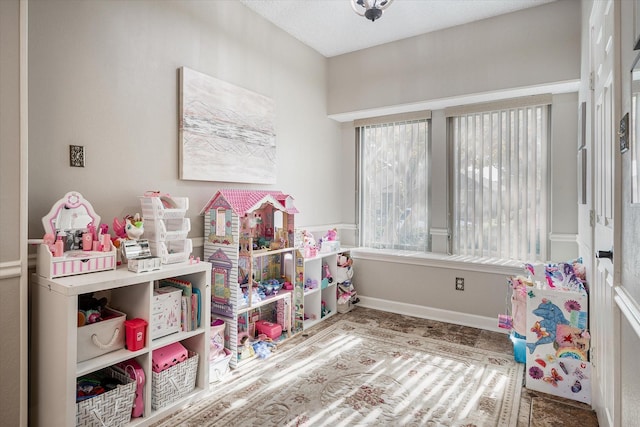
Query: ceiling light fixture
(370, 9)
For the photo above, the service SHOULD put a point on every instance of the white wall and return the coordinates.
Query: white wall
(563, 224)
(13, 305)
(531, 47)
(537, 46)
(551, 55)
(103, 74)
(347, 183)
(424, 290)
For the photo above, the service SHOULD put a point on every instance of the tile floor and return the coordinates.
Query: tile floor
(548, 410)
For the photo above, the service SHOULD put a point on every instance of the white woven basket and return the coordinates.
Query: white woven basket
(112, 408)
(220, 367)
(173, 383)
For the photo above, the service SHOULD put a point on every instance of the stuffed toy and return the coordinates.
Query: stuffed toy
(134, 227)
(309, 244)
(308, 240)
(330, 236)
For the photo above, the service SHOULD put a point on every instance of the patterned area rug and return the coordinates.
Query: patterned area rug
(351, 374)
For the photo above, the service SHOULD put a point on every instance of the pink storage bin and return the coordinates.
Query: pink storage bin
(272, 330)
(168, 356)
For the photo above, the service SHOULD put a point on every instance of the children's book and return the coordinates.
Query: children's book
(194, 309)
(198, 305)
(184, 319)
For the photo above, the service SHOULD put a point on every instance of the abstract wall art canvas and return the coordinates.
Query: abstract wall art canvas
(226, 133)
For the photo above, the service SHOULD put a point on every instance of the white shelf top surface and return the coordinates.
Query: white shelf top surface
(121, 276)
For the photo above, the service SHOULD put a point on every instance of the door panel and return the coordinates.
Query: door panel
(605, 102)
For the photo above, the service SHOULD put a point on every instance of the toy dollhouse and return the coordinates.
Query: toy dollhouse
(256, 272)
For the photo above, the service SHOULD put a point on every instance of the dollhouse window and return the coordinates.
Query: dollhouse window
(220, 222)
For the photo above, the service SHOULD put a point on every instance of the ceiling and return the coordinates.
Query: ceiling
(332, 28)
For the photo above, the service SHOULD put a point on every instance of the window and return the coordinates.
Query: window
(499, 183)
(394, 184)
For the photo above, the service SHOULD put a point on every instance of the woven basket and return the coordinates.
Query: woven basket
(173, 383)
(112, 408)
(220, 367)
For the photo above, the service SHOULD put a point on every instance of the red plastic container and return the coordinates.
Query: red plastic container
(135, 333)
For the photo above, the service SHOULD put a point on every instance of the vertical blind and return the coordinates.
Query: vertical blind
(393, 174)
(499, 185)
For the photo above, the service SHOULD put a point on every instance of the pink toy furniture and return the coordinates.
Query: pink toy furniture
(272, 330)
(168, 356)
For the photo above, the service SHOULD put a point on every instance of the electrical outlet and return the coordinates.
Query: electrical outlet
(76, 156)
(459, 284)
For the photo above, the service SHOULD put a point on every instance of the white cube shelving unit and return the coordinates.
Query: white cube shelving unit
(54, 337)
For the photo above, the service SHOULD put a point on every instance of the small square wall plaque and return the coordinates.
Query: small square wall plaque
(76, 156)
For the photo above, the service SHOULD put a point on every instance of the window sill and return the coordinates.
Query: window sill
(432, 259)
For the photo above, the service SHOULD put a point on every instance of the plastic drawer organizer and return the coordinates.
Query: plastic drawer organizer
(166, 227)
(171, 252)
(164, 207)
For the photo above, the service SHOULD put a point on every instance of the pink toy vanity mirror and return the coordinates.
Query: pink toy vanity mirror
(70, 212)
(69, 246)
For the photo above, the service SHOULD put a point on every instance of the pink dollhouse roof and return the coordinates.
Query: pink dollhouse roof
(243, 201)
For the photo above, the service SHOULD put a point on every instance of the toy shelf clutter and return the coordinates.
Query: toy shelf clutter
(269, 281)
(327, 276)
(56, 338)
(84, 324)
(322, 278)
(256, 272)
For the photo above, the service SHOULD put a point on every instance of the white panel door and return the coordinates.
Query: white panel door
(605, 110)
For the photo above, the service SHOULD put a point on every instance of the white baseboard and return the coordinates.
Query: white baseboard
(457, 318)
